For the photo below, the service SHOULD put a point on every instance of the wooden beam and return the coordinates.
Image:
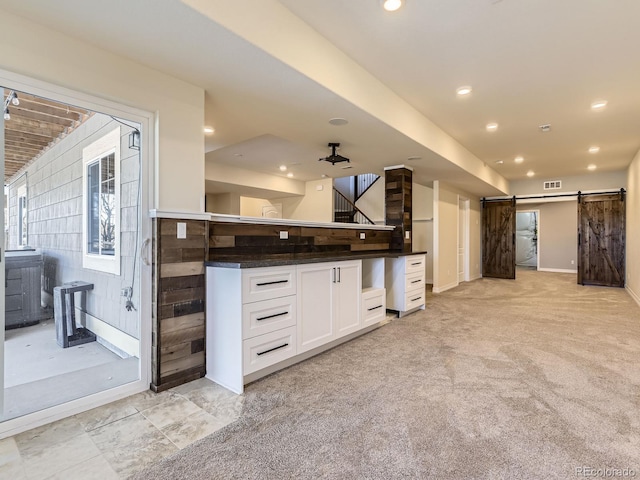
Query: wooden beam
(41, 117)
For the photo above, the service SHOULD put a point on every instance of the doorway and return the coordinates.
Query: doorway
(527, 239)
(73, 226)
(463, 239)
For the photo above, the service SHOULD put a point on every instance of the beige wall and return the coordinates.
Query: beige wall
(422, 227)
(633, 228)
(445, 236)
(316, 205)
(42, 54)
(227, 203)
(583, 183)
(557, 234)
(372, 202)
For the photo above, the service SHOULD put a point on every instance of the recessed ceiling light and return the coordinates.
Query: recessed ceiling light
(598, 105)
(462, 91)
(414, 157)
(283, 168)
(392, 5)
(545, 127)
(338, 122)
(594, 149)
(519, 159)
(591, 167)
(492, 127)
(208, 130)
(290, 175)
(530, 173)
(237, 155)
(499, 162)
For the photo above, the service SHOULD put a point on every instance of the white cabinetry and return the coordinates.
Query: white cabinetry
(328, 302)
(251, 321)
(405, 283)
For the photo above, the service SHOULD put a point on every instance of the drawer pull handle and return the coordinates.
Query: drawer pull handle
(271, 316)
(417, 263)
(414, 299)
(271, 283)
(416, 281)
(272, 349)
(373, 308)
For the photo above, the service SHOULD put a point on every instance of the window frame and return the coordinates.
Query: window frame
(22, 231)
(95, 152)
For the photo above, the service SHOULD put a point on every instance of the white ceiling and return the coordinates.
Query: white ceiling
(528, 62)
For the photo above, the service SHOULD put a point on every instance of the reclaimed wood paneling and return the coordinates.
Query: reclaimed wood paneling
(601, 240)
(179, 319)
(498, 239)
(398, 209)
(234, 239)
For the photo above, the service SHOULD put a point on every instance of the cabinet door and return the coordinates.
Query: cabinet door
(347, 297)
(315, 305)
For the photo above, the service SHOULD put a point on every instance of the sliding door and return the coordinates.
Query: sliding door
(498, 239)
(601, 240)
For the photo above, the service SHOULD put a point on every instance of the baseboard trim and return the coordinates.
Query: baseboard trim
(445, 287)
(122, 341)
(477, 277)
(557, 270)
(633, 295)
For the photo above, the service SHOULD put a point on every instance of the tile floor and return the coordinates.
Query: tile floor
(121, 438)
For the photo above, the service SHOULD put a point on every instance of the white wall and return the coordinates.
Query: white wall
(372, 202)
(29, 49)
(445, 236)
(633, 228)
(583, 183)
(316, 205)
(422, 225)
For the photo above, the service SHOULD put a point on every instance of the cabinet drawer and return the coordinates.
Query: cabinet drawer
(414, 281)
(267, 283)
(414, 299)
(414, 263)
(374, 306)
(267, 316)
(264, 350)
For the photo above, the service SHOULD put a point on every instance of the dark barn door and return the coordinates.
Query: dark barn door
(498, 239)
(601, 240)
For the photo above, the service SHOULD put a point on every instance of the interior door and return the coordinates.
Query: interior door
(498, 239)
(461, 239)
(601, 240)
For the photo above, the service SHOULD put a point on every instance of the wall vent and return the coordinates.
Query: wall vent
(553, 185)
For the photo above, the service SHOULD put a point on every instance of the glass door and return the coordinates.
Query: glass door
(71, 312)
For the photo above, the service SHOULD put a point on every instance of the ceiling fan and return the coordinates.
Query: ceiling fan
(334, 157)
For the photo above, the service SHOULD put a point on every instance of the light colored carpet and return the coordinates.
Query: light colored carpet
(533, 378)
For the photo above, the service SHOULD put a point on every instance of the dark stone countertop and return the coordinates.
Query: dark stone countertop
(255, 261)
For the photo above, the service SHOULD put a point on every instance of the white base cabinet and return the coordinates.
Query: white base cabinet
(404, 280)
(328, 302)
(262, 319)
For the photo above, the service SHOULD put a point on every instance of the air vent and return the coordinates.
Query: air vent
(553, 185)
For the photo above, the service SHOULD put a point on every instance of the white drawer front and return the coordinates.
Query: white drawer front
(374, 307)
(267, 283)
(414, 263)
(267, 316)
(414, 299)
(414, 281)
(264, 350)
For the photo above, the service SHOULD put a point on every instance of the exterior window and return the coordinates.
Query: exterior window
(22, 216)
(101, 232)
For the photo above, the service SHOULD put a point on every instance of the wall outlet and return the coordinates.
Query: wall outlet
(182, 229)
(284, 235)
(126, 292)
(319, 188)
(572, 262)
(407, 234)
(362, 235)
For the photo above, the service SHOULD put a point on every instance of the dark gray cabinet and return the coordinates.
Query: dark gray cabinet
(23, 269)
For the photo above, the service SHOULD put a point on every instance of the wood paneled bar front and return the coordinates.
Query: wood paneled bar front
(183, 242)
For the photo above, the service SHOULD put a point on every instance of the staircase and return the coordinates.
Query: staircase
(345, 209)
